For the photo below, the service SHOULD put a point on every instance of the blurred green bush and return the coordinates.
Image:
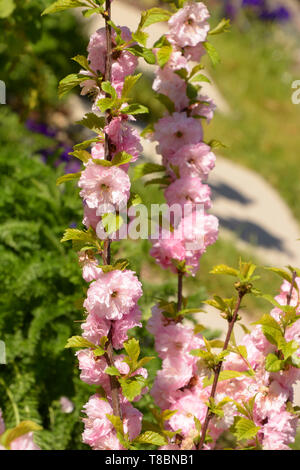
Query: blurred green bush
(40, 282)
(35, 52)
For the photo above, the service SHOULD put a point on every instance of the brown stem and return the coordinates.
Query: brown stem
(289, 297)
(179, 291)
(218, 370)
(114, 384)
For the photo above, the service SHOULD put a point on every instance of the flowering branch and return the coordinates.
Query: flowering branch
(114, 384)
(218, 368)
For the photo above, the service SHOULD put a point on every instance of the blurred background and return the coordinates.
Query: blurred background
(256, 188)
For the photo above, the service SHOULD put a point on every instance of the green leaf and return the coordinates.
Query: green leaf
(191, 91)
(146, 169)
(85, 144)
(162, 181)
(135, 108)
(129, 83)
(245, 429)
(121, 158)
(150, 437)
(134, 200)
(196, 69)
(222, 27)
(224, 375)
(144, 52)
(99, 352)
(117, 423)
(108, 88)
(93, 122)
(69, 82)
(140, 37)
(92, 11)
(82, 155)
(23, 428)
(200, 78)
(112, 222)
(271, 329)
(76, 234)
(102, 162)
(68, 177)
(215, 144)
(273, 364)
(295, 360)
(212, 53)
(79, 342)
(167, 414)
(131, 387)
(282, 273)
(6, 8)
(105, 103)
(166, 101)
(121, 264)
(182, 73)
(112, 371)
(268, 320)
(153, 15)
(132, 347)
(224, 269)
(61, 5)
(82, 61)
(163, 55)
(188, 311)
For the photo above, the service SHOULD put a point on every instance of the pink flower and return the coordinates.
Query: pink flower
(124, 138)
(24, 442)
(285, 291)
(124, 63)
(174, 375)
(94, 328)
(188, 190)
(113, 294)
(193, 160)
(121, 327)
(97, 151)
(167, 248)
(173, 339)
(170, 84)
(205, 107)
(90, 270)
(104, 188)
(170, 447)
(188, 406)
(175, 131)
(99, 432)
(194, 53)
(90, 218)
(189, 25)
(66, 405)
(279, 431)
(92, 368)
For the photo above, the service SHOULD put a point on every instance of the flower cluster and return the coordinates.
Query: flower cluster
(188, 162)
(187, 159)
(179, 384)
(272, 391)
(112, 296)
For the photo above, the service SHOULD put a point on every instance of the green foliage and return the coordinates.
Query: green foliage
(33, 52)
(245, 429)
(40, 281)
